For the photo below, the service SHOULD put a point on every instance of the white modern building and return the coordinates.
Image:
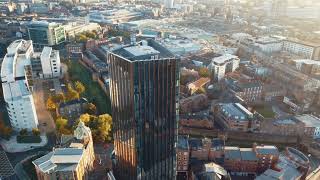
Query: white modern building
(43, 33)
(269, 44)
(15, 73)
(222, 65)
(113, 16)
(306, 49)
(50, 63)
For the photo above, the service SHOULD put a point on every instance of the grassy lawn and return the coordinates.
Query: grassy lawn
(265, 110)
(93, 91)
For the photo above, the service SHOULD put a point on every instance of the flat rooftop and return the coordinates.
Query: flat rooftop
(247, 154)
(183, 142)
(236, 110)
(267, 149)
(267, 40)
(15, 60)
(287, 121)
(307, 61)
(309, 120)
(306, 43)
(232, 152)
(13, 78)
(143, 50)
(224, 58)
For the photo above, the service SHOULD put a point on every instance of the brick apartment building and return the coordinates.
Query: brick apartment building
(300, 125)
(182, 158)
(234, 116)
(268, 156)
(196, 120)
(238, 161)
(247, 90)
(193, 103)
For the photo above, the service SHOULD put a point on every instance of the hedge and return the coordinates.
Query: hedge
(28, 139)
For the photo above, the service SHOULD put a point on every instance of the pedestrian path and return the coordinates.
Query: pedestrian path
(12, 146)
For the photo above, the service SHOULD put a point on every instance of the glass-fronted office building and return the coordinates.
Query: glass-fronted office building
(144, 95)
(46, 34)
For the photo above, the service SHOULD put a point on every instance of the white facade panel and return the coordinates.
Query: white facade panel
(16, 91)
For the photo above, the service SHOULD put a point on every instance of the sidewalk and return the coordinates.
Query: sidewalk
(12, 146)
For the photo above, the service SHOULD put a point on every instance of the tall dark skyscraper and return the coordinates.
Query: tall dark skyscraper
(144, 95)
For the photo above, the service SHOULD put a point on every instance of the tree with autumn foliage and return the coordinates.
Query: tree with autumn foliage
(51, 105)
(54, 100)
(204, 72)
(72, 94)
(79, 87)
(36, 132)
(5, 131)
(62, 126)
(58, 98)
(100, 126)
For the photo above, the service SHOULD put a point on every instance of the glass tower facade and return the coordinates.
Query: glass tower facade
(144, 98)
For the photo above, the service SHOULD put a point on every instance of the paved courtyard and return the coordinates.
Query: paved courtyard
(12, 146)
(46, 122)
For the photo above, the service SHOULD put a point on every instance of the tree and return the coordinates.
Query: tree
(91, 108)
(58, 98)
(61, 125)
(65, 131)
(79, 87)
(104, 128)
(23, 132)
(100, 126)
(51, 105)
(204, 72)
(7, 132)
(36, 132)
(82, 38)
(85, 118)
(72, 94)
(90, 35)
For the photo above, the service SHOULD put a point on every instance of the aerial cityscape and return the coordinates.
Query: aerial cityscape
(160, 90)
